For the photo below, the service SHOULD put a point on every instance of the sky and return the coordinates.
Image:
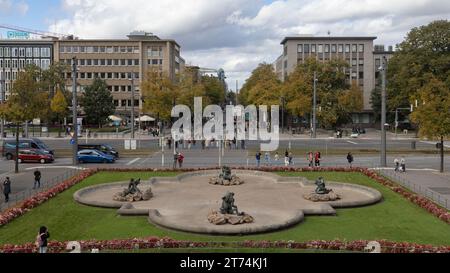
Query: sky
(235, 35)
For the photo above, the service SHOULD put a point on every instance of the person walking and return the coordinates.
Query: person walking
(291, 159)
(37, 179)
(286, 158)
(258, 158)
(397, 164)
(180, 160)
(350, 159)
(42, 239)
(175, 160)
(267, 158)
(169, 143)
(6, 189)
(317, 159)
(403, 164)
(276, 158)
(310, 158)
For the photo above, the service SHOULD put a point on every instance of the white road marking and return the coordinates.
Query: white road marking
(410, 169)
(434, 143)
(351, 142)
(56, 167)
(133, 161)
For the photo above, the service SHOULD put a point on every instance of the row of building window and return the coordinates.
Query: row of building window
(125, 103)
(105, 75)
(44, 64)
(112, 62)
(29, 52)
(99, 49)
(327, 48)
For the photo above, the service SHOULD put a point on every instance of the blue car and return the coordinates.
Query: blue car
(94, 156)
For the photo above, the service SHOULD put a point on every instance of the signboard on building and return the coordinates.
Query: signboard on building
(20, 35)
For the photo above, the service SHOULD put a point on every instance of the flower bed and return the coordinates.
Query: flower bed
(161, 243)
(32, 202)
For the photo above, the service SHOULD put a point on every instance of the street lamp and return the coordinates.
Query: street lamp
(314, 134)
(132, 105)
(2, 83)
(74, 112)
(382, 69)
(282, 114)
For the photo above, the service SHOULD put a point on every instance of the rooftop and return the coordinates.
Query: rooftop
(329, 38)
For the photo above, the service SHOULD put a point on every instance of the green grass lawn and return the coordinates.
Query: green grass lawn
(394, 219)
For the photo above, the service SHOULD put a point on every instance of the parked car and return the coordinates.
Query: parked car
(94, 156)
(33, 155)
(9, 146)
(105, 148)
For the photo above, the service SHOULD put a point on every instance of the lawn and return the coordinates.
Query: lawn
(394, 219)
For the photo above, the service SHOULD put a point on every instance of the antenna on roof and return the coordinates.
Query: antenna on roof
(329, 33)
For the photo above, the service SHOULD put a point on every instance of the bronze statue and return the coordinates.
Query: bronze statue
(133, 193)
(133, 187)
(225, 178)
(228, 206)
(226, 173)
(321, 189)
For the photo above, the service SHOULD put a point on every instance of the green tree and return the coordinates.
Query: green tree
(159, 94)
(214, 89)
(188, 88)
(433, 112)
(350, 101)
(25, 102)
(59, 107)
(97, 102)
(423, 55)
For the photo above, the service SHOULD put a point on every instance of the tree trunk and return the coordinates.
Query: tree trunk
(442, 154)
(60, 128)
(16, 163)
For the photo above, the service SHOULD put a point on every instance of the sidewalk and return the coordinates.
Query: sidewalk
(429, 183)
(23, 182)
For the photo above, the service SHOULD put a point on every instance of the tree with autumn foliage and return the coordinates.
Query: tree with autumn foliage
(433, 112)
(26, 102)
(160, 94)
(59, 107)
(262, 87)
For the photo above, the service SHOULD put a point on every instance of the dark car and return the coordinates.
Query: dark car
(9, 146)
(105, 148)
(35, 156)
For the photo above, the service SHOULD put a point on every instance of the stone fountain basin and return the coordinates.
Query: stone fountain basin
(183, 202)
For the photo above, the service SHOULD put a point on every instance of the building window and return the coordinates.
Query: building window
(347, 48)
(123, 103)
(116, 103)
(89, 49)
(377, 63)
(36, 52)
(354, 62)
(95, 62)
(75, 49)
(102, 62)
(7, 52)
(313, 48)
(116, 49)
(123, 62)
(306, 48)
(82, 49)
(123, 49)
(129, 49)
(361, 74)
(116, 62)
(320, 49)
(300, 48)
(340, 48)
(136, 62)
(22, 52)
(354, 48)
(327, 48)
(361, 48)
(361, 61)
(136, 50)
(109, 62)
(333, 48)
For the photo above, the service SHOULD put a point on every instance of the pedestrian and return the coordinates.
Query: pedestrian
(310, 158)
(276, 158)
(258, 158)
(37, 179)
(350, 159)
(169, 143)
(175, 160)
(291, 159)
(7, 189)
(180, 160)
(317, 159)
(41, 239)
(403, 164)
(286, 158)
(203, 144)
(397, 164)
(267, 158)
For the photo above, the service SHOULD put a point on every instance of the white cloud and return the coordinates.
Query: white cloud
(238, 34)
(9, 6)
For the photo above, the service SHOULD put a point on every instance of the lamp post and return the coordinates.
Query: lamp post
(314, 134)
(383, 113)
(2, 82)
(282, 114)
(74, 113)
(132, 105)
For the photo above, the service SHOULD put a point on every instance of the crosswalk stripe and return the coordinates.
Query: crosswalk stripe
(133, 161)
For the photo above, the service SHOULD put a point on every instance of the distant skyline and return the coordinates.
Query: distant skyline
(235, 35)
